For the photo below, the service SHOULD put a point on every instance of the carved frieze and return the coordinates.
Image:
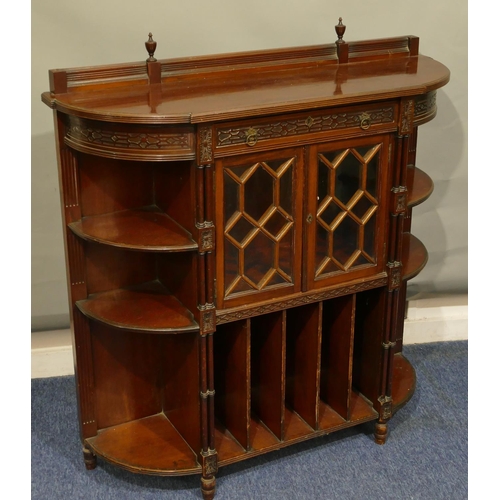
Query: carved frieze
(298, 301)
(129, 142)
(231, 136)
(425, 106)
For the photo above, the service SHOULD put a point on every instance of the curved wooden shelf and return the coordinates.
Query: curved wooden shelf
(403, 382)
(420, 186)
(147, 229)
(415, 256)
(148, 308)
(151, 445)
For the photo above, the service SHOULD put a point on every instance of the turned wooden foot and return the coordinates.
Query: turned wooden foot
(380, 432)
(208, 487)
(89, 458)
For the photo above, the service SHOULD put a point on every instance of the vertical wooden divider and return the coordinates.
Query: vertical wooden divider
(369, 331)
(268, 345)
(232, 379)
(336, 353)
(303, 361)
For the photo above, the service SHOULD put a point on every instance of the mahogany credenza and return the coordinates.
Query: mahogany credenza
(237, 237)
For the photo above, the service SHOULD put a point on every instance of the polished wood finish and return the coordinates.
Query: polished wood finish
(150, 445)
(147, 307)
(238, 243)
(140, 229)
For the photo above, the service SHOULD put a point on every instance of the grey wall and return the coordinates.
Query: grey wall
(71, 34)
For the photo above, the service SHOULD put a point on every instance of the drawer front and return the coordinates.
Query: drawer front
(248, 135)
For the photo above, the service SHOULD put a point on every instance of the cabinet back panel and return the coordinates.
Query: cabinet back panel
(125, 365)
(181, 387)
(112, 185)
(109, 268)
(178, 272)
(174, 192)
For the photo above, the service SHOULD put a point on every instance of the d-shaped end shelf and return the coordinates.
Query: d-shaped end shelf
(148, 307)
(146, 229)
(415, 256)
(420, 186)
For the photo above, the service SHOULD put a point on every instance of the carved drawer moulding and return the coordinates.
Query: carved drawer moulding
(310, 127)
(131, 142)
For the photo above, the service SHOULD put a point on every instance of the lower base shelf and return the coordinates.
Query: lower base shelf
(152, 445)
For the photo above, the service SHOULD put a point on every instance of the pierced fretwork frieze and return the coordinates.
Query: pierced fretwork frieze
(307, 124)
(129, 140)
(140, 142)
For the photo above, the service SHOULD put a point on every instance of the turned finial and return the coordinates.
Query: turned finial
(340, 29)
(150, 47)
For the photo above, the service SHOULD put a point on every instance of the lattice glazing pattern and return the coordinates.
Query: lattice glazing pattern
(258, 225)
(347, 209)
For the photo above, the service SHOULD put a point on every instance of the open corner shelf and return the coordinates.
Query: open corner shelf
(148, 307)
(147, 229)
(150, 445)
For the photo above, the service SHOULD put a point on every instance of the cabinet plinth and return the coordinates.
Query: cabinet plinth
(237, 236)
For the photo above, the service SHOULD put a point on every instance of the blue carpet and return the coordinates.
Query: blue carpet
(425, 457)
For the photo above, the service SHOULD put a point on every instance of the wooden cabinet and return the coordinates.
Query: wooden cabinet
(237, 235)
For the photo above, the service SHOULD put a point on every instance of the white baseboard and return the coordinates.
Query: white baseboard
(429, 319)
(436, 319)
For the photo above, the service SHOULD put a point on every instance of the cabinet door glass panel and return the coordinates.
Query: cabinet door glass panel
(345, 206)
(260, 223)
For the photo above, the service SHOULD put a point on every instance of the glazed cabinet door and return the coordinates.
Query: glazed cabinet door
(345, 219)
(259, 225)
